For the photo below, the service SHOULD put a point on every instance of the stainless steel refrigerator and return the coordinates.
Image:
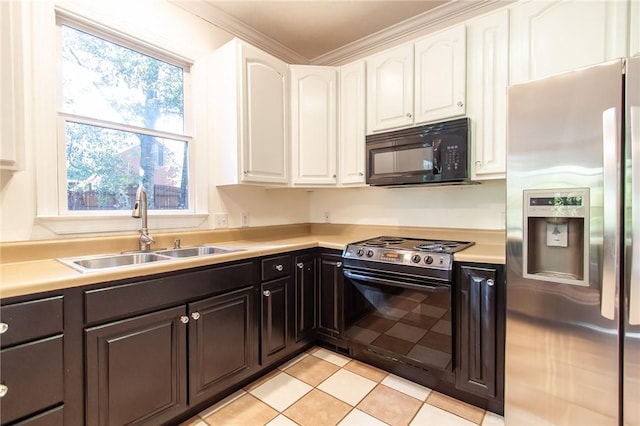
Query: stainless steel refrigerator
(573, 276)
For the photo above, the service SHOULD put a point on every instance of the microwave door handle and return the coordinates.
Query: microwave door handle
(611, 231)
(634, 279)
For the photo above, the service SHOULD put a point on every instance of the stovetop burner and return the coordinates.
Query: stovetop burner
(412, 252)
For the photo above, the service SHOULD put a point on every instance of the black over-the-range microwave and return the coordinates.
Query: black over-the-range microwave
(428, 154)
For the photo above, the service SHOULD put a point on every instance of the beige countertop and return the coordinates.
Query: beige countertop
(31, 267)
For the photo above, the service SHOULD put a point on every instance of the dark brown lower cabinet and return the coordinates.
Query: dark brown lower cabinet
(136, 369)
(220, 349)
(276, 299)
(330, 295)
(480, 333)
(305, 296)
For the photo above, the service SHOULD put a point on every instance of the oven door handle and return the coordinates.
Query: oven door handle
(396, 283)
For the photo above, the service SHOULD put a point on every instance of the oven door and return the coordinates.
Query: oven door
(400, 318)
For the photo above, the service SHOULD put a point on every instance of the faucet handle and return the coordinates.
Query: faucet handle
(176, 243)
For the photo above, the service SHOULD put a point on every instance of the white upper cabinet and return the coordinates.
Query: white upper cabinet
(250, 116)
(390, 89)
(550, 37)
(12, 85)
(313, 124)
(634, 28)
(487, 81)
(440, 75)
(417, 82)
(351, 141)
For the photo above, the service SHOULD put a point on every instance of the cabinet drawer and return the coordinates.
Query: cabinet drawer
(33, 374)
(53, 417)
(276, 267)
(124, 300)
(31, 320)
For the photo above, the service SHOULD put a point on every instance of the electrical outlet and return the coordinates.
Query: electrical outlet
(327, 217)
(244, 220)
(221, 220)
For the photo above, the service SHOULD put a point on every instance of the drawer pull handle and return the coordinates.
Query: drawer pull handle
(267, 293)
(300, 265)
(184, 319)
(195, 315)
(490, 282)
(3, 390)
(338, 264)
(3, 327)
(279, 268)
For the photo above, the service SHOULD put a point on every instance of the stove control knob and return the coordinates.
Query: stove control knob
(360, 252)
(416, 258)
(428, 260)
(369, 253)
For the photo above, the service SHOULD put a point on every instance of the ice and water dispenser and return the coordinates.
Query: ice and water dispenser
(556, 235)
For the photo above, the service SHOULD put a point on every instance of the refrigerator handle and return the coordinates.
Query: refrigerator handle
(634, 285)
(611, 222)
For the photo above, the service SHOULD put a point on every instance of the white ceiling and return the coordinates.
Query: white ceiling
(314, 28)
(328, 32)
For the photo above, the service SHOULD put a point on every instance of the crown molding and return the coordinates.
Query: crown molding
(450, 12)
(237, 28)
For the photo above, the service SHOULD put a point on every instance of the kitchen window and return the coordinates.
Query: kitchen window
(122, 122)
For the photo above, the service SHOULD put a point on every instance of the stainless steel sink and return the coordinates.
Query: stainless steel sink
(123, 260)
(93, 263)
(196, 251)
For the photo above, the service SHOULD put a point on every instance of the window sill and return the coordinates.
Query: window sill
(69, 225)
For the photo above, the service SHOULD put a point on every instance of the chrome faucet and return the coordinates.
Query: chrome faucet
(140, 211)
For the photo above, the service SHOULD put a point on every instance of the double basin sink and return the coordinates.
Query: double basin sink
(116, 261)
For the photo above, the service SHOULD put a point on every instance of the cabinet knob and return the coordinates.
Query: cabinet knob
(195, 315)
(460, 104)
(3, 390)
(246, 172)
(490, 282)
(478, 163)
(3, 327)
(409, 115)
(360, 174)
(338, 264)
(300, 265)
(184, 319)
(267, 293)
(334, 176)
(279, 268)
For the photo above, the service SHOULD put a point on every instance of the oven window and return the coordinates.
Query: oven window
(413, 324)
(418, 159)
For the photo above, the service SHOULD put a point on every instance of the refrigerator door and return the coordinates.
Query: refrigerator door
(631, 343)
(562, 344)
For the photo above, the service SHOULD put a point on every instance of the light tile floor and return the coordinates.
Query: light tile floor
(323, 388)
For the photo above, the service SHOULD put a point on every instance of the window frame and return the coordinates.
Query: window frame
(51, 192)
(63, 117)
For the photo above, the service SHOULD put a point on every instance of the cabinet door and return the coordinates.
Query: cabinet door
(265, 153)
(330, 295)
(390, 89)
(13, 51)
(551, 37)
(351, 143)
(440, 75)
(634, 28)
(136, 369)
(220, 343)
(477, 314)
(313, 124)
(305, 296)
(487, 81)
(275, 318)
